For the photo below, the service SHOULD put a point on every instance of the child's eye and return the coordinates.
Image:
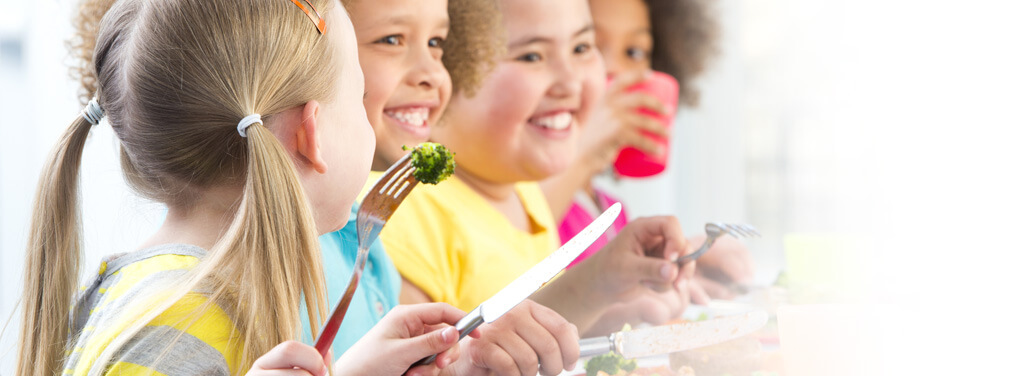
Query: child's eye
(393, 40)
(531, 57)
(436, 42)
(581, 48)
(635, 53)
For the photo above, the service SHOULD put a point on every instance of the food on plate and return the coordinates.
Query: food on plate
(612, 364)
(433, 162)
(741, 356)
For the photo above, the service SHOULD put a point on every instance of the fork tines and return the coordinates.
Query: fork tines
(740, 230)
(399, 181)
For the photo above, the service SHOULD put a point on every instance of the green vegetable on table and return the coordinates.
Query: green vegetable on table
(610, 363)
(432, 162)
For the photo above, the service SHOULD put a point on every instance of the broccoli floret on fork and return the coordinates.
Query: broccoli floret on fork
(433, 162)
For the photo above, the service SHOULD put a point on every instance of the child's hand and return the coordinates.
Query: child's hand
(650, 307)
(638, 259)
(406, 334)
(290, 358)
(616, 123)
(528, 336)
(727, 263)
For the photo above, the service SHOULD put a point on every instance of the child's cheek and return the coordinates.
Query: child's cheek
(514, 100)
(593, 89)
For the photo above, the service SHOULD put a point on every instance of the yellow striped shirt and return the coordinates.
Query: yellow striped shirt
(178, 342)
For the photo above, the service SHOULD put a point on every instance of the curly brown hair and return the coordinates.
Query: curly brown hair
(685, 34)
(475, 40)
(82, 44)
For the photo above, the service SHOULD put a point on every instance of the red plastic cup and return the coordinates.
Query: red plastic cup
(633, 162)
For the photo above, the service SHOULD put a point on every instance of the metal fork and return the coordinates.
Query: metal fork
(715, 230)
(378, 205)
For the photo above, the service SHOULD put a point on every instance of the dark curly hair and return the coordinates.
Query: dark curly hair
(685, 34)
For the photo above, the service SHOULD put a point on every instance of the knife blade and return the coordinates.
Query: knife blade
(532, 280)
(638, 343)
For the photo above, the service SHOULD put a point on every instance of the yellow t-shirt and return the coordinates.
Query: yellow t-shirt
(459, 249)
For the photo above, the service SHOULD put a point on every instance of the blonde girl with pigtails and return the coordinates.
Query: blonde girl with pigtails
(245, 118)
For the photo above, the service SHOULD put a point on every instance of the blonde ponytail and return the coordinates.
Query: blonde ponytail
(274, 221)
(176, 77)
(52, 257)
(265, 264)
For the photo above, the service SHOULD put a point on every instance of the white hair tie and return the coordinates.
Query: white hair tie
(92, 112)
(247, 121)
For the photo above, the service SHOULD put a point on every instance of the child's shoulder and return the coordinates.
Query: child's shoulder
(128, 283)
(451, 192)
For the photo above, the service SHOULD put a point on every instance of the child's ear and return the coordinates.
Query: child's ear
(307, 140)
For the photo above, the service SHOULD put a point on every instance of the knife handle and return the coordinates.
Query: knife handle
(596, 346)
(465, 326)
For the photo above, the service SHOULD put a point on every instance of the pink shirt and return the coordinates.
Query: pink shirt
(581, 213)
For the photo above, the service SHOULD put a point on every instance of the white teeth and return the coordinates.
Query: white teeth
(558, 122)
(416, 116)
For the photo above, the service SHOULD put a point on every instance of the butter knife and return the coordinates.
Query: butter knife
(532, 280)
(638, 343)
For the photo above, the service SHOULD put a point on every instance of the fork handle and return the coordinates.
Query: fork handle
(681, 260)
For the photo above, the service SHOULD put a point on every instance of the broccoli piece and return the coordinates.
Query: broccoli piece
(432, 162)
(627, 365)
(610, 363)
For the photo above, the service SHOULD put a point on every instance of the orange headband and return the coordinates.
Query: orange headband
(317, 19)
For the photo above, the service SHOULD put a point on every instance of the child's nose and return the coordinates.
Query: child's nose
(428, 72)
(568, 79)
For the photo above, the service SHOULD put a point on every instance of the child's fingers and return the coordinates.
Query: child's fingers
(435, 342)
(281, 372)
(637, 100)
(448, 357)
(291, 354)
(488, 355)
(429, 314)
(641, 141)
(656, 273)
(646, 124)
(427, 370)
(566, 335)
(660, 236)
(697, 293)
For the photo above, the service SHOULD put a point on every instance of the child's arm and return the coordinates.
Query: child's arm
(635, 262)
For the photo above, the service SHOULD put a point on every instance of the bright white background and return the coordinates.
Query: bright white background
(894, 122)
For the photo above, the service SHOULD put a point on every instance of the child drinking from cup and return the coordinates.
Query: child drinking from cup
(630, 131)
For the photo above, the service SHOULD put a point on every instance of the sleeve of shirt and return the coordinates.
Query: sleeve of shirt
(419, 238)
(207, 346)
